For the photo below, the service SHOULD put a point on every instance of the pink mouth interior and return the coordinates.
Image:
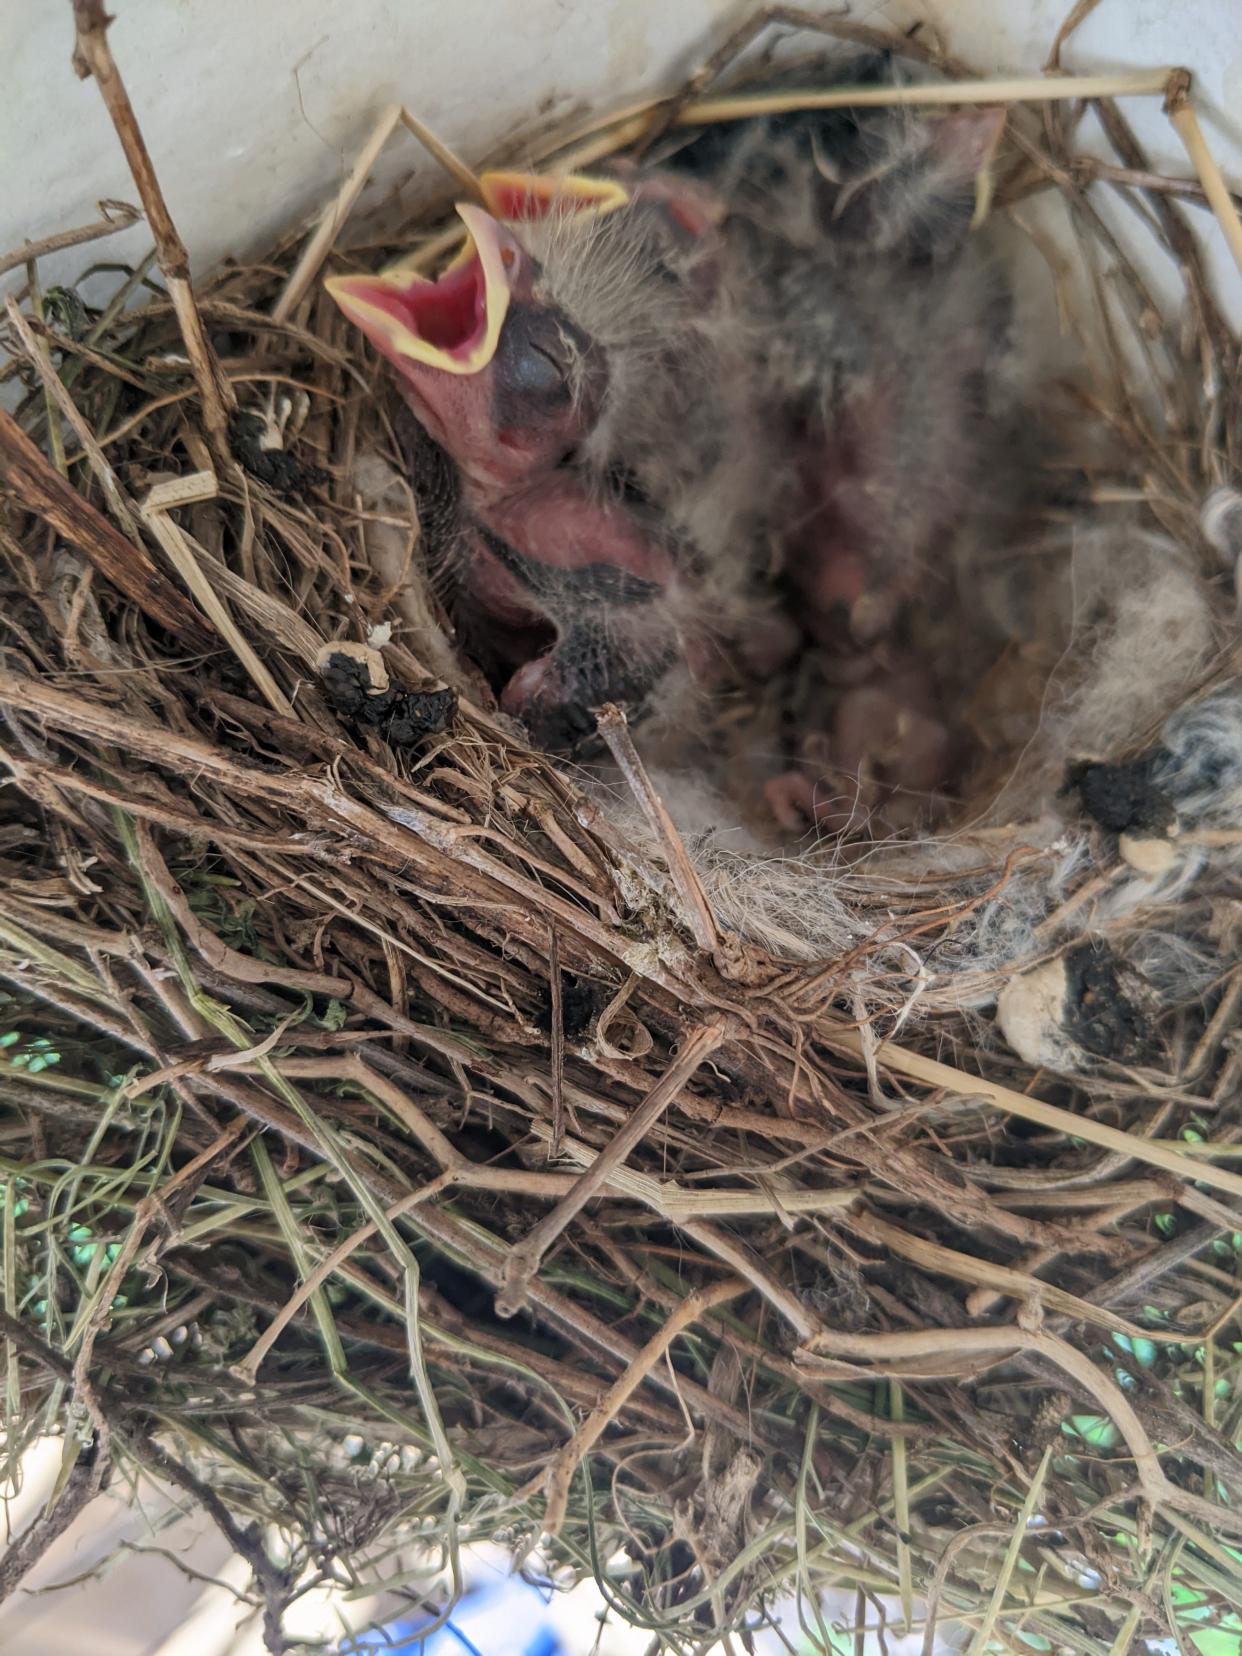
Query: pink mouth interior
(520, 206)
(448, 314)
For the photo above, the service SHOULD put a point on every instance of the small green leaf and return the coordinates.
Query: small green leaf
(1097, 1431)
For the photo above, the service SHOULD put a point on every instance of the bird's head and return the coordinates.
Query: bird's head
(506, 382)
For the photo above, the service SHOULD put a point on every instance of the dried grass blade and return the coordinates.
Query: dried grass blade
(983, 1632)
(915, 1066)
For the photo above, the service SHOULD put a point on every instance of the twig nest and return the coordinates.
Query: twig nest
(1081, 1007)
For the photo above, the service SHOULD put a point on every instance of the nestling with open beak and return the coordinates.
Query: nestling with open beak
(537, 368)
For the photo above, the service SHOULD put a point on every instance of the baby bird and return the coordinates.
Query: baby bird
(537, 368)
(889, 368)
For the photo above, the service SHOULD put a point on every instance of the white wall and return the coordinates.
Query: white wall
(253, 109)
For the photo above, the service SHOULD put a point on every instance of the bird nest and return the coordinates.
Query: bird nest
(403, 1147)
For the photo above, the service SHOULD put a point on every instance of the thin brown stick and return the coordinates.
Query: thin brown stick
(800, 1318)
(191, 563)
(448, 159)
(122, 508)
(248, 1367)
(24, 1551)
(117, 215)
(125, 563)
(40, 355)
(614, 728)
(1079, 14)
(1018, 1284)
(1087, 168)
(560, 1474)
(1002, 1342)
(524, 1259)
(92, 56)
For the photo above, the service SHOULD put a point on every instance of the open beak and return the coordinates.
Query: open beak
(523, 197)
(452, 323)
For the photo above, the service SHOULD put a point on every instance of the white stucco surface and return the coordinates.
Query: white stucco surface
(254, 109)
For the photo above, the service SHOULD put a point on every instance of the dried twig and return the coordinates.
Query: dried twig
(557, 1052)
(614, 730)
(334, 216)
(1181, 112)
(560, 1474)
(190, 562)
(918, 1067)
(116, 215)
(125, 563)
(524, 1259)
(24, 1551)
(92, 56)
(63, 403)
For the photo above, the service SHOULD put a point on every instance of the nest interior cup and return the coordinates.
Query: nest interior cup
(412, 1139)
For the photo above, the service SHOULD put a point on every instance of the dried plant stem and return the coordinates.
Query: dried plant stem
(117, 215)
(917, 1067)
(24, 1551)
(635, 126)
(983, 1633)
(125, 563)
(1089, 167)
(560, 1474)
(448, 159)
(191, 563)
(1220, 198)
(1024, 89)
(1018, 1284)
(1078, 15)
(63, 403)
(247, 1369)
(330, 224)
(679, 1204)
(1003, 1342)
(149, 1209)
(557, 1054)
(92, 56)
(615, 731)
(42, 359)
(524, 1259)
